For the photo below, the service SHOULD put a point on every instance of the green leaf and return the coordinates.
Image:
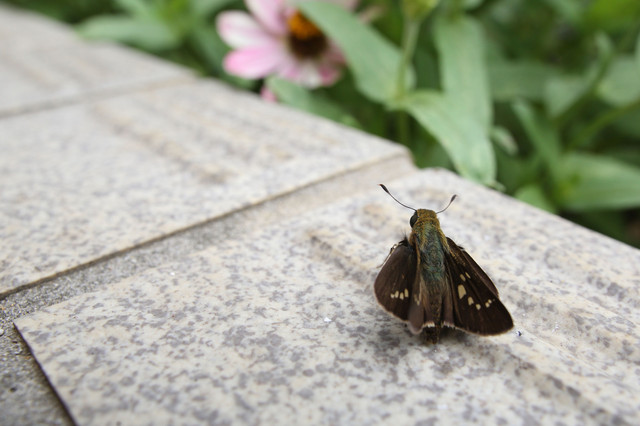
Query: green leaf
(629, 124)
(504, 139)
(621, 85)
(204, 8)
(630, 154)
(471, 4)
(515, 172)
(513, 80)
(460, 134)
(209, 44)
(637, 55)
(540, 132)
(568, 10)
(534, 194)
(460, 44)
(136, 8)
(590, 181)
(372, 59)
(298, 97)
(147, 34)
(612, 15)
(563, 91)
(565, 94)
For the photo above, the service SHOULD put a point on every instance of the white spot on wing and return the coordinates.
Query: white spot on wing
(461, 291)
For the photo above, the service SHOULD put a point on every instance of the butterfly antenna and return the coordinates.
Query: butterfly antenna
(396, 200)
(450, 201)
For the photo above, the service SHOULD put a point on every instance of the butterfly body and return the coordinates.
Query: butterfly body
(429, 282)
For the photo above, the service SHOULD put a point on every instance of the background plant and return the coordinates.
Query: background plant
(540, 99)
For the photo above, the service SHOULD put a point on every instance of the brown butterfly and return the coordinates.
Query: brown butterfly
(430, 282)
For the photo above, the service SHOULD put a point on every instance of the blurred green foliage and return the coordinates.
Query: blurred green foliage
(540, 99)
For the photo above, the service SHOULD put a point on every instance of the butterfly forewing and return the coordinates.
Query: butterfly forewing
(394, 284)
(468, 260)
(476, 307)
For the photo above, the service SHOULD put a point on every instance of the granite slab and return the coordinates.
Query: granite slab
(26, 398)
(281, 326)
(23, 31)
(36, 79)
(85, 181)
(43, 64)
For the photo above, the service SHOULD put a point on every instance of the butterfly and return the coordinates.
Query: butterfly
(430, 282)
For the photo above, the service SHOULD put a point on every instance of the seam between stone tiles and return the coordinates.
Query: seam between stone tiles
(150, 242)
(97, 95)
(41, 372)
(343, 172)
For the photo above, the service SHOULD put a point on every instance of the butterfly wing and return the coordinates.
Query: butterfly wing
(394, 283)
(476, 306)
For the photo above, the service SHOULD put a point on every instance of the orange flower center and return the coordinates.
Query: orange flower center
(305, 39)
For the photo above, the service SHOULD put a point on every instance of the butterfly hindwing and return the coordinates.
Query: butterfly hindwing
(476, 306)
(394, 284)
(418, 316)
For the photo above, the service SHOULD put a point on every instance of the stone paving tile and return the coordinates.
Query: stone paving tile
(23, 31)
(52, 66)
(86, 181)
(26, 398)
(281, 326)
(38, 79)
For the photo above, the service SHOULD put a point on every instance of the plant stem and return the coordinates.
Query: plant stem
(409, 40)
(600, 123)
(587, 94)
(600, 73)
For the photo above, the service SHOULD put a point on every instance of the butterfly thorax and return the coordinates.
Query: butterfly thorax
(431, 244)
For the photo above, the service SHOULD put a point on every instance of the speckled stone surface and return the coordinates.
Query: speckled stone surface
(85, 181)
(24, 31)
(51, 66)
(281, 326)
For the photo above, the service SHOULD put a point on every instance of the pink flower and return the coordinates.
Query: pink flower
(276, 39)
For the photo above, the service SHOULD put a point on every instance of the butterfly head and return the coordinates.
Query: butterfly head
(421, 217)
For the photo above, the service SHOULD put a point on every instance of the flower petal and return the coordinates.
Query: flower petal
(270, 13)
(305, 73)
(333, 54)
(255, 62)
(329, 73)
(239, 29)
(310, 75)
(267, 94)
(289, 69)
